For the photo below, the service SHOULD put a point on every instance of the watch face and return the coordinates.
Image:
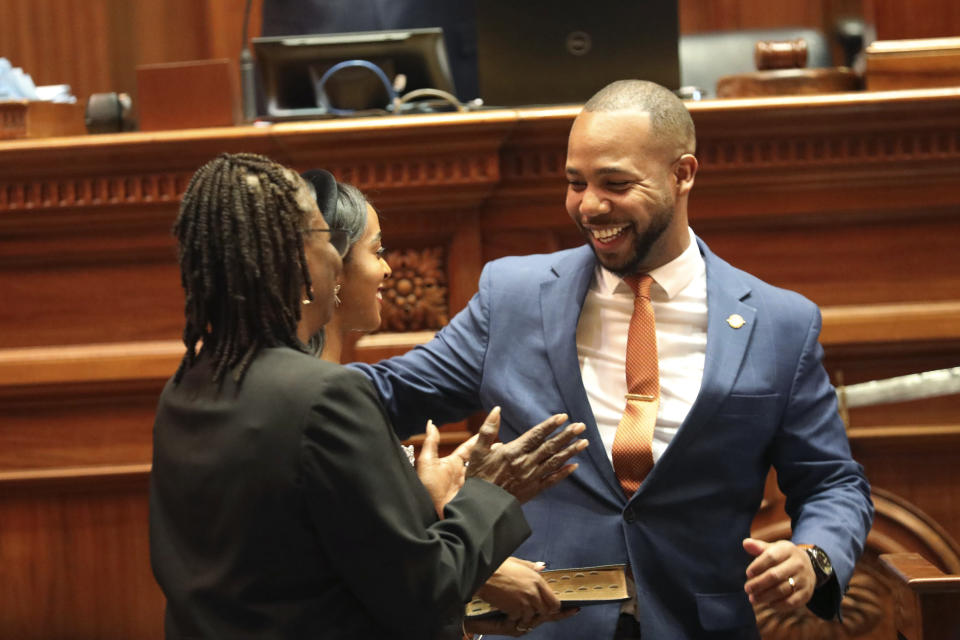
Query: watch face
(822, 560)
(821, 564)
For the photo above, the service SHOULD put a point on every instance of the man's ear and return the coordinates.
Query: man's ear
(684, 171)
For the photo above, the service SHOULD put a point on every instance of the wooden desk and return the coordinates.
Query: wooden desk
(851, 199)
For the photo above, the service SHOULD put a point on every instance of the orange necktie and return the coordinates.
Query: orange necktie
(632, 452)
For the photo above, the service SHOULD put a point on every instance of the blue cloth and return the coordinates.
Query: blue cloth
(765, 400)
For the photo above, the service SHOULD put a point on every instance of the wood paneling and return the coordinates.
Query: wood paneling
(58, 41)
(75, 556)
(850, 199)
(896, 20)
(722, 15)
(225, 20)
(96, 45)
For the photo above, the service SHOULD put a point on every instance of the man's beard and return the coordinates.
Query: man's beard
(659, 222)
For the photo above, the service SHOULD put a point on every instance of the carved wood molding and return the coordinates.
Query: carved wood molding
(98, 193)
(835, 144)
(823, 150)
(397, 156)
(729, 144)
(901, 526)
(93, 191)
(763, 143)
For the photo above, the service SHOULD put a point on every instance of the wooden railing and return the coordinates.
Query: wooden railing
(927, 601)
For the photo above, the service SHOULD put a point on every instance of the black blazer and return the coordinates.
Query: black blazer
(287, 509)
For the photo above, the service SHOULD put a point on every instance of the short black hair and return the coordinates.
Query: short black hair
(670, 121)
(242, 265)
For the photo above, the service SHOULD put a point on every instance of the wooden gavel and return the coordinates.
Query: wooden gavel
(780, 54)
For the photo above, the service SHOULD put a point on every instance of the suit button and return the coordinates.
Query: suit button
(629, 516)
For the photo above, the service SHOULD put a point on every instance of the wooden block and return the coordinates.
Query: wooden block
(187, 95)
(35, 119)
(788, 82)
(913, 64)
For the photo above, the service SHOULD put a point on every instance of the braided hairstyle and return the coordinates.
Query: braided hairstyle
(242, 264)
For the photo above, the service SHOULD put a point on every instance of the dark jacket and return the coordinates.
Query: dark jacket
(286, 509)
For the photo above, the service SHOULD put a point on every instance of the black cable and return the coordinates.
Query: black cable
(247, 81)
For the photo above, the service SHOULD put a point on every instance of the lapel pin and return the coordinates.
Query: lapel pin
(736, 321)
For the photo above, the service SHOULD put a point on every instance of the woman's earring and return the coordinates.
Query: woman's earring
(308, 300)
(336, 298)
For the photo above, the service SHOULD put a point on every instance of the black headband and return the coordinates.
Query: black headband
(325, 186)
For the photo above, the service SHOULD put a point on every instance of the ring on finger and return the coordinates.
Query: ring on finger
(521, 627)
(793, 583)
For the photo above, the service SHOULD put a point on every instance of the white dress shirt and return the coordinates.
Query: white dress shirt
(679, 297)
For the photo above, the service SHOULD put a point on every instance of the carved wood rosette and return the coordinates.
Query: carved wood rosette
(415, 296)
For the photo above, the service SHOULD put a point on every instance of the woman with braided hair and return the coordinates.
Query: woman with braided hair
(281, 503)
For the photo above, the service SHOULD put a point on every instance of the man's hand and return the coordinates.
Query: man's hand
(518, 589)
(768, 576)
(531, 463)
(442, 477)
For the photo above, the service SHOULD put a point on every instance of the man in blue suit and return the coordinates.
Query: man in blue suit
(741, 388)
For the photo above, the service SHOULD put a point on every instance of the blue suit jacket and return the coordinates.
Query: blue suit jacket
(765, 400)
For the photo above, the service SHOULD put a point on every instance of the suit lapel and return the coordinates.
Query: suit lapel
(561, 298)
(726, 348)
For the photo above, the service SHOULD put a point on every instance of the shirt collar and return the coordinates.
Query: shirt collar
(672, 277)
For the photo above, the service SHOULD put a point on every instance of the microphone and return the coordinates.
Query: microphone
(247, 80)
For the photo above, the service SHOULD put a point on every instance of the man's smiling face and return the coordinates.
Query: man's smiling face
(622, 191)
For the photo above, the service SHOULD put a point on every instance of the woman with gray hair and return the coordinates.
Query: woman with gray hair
(516, 587)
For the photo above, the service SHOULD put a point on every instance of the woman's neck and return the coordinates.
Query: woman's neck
(333, 340)
(339, 344)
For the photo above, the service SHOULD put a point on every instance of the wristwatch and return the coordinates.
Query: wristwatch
(822, 568)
